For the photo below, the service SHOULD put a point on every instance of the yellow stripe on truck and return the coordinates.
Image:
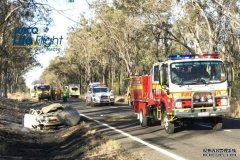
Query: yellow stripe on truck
(138, 86)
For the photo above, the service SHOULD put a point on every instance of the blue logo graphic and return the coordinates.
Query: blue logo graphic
(29, 37)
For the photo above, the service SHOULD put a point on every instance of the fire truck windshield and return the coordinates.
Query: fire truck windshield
(43, 87)
(197, 72)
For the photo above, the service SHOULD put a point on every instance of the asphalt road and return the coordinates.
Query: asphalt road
(152, 143)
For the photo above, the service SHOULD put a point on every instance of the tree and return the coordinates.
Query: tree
(17, 14)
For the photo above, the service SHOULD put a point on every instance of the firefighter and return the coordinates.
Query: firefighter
(53, 95)
(65, 95)
(59, 93)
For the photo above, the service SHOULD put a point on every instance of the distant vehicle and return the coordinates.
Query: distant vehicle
(43, 91)
(74, 90)
(99, 94)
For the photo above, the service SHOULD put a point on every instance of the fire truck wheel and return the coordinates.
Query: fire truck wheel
(144, 121)
(168, 126)
(217, 123)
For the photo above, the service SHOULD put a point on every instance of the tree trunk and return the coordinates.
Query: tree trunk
(5, 85)
(119, 83)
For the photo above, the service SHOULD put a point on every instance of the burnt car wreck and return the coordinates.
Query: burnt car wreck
(51, 116)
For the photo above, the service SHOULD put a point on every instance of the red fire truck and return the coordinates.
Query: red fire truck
(183, 89)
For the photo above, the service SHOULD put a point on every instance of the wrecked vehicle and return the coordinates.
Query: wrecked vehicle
(51, 116)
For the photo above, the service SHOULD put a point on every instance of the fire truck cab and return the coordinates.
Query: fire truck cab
(182, 89)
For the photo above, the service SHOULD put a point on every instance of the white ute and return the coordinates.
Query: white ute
(99, 94)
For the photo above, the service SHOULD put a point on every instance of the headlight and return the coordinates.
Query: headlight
(96, 97)
(196, 97)
(111, 96)
(209, 96)
(224, 101)
(178, 104)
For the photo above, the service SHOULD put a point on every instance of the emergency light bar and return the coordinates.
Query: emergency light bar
(97, 84)
(180, 56)
(192, 56)
(208, 55)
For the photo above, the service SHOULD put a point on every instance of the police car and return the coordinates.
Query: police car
(99, 94)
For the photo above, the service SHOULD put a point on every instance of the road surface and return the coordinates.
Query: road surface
(152, 143)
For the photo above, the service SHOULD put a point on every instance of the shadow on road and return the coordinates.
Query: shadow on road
(228, 123)
(231, 123)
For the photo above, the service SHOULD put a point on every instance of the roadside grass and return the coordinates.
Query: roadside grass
(235, 109)
(20, 96)
(122, 98)
(100, 147)
(110, 149)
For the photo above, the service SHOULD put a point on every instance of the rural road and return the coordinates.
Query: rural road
(152, 143)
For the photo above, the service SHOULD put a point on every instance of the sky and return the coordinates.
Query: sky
(59, 27)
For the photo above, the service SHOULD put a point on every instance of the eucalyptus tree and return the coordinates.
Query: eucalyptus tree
(16, 61)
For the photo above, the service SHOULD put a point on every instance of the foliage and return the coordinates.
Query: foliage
(15, 62)
(126, 37)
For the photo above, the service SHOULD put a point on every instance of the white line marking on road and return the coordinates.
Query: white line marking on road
(113, 107)
(227, 130)
(163, 151)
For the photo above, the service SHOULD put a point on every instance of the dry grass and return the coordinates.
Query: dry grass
(121, 98)
(90, 132)
(82, 141)
(110, 150)
(21, 96)
(235, 109)
(85, 124)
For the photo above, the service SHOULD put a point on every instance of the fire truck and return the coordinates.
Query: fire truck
(43, 91)
(183, 89)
